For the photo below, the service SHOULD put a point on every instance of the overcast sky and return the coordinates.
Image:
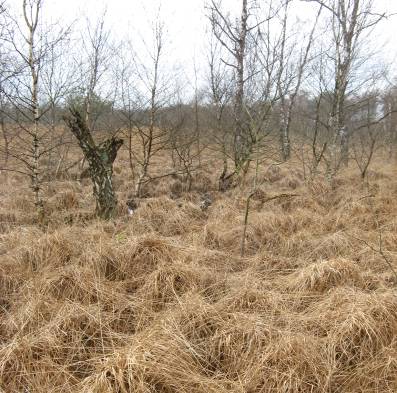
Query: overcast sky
(186, 21)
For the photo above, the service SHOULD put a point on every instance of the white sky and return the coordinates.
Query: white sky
(185, 20)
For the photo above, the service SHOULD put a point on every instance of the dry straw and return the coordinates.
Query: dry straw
(162, 302)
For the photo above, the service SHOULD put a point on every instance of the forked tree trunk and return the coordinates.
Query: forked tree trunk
(100, 159)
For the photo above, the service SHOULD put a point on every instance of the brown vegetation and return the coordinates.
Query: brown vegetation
(161, 301)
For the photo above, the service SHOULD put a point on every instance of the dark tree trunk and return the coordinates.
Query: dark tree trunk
(100, 159)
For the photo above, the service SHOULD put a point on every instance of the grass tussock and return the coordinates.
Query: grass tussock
(323, 276)
(162, 302)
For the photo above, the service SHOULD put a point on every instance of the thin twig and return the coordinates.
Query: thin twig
(378, 250)
(247, 204)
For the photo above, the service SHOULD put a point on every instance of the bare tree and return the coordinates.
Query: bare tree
(4, 131)
(96, 55)
(152, 138)
(312, 112)
(31, 20)
(147, 89)
(292, 71)
(124, 73)
(233, 37)
(58, 83)
(3, 77)
(257, 62)
(81, 119)
(271, 77)
(100, 158)
(350, 20)
(368, 130)
(32, 46)
(196, 108)
(219, 82)
(390, 123)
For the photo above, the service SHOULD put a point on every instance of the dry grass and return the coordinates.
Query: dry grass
(162, 302)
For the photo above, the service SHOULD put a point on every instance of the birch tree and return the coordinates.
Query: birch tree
(32, 45)
(233, 36)
(350, 20)
(100, 155)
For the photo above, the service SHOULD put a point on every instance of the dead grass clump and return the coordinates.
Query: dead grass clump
(203, 323)
(26, 365)
(149, 251)
(162, 302)
(324, 275)
(358, 325)
(28, 314)
(261, 238)
(378, 375)
(228, 239)
(216, 240)
(55, 339)
(168, 366)
(283, 224)
(374, 174)
(66, 200)
(227, 210)
(7, 221)
(87, 328)
(327, 246)
(252, 299)
(176, 189)
(237, 344)
(217, 261)
(107, 262)
(69, 283)
(162, 358)
(202, 183)
(323, 193)
(10, 281)
(290, 363)
(128, 257)
(22, 203)
(247, 351)
(365, 325)
(73, 217)
(271, 265)
(274, 174)
(11, 241)
(290, 183)
(169, 282)
(56, 249)
(59, 187)
(124, 315)
(227, 344)
(384, 205)
(165, 217)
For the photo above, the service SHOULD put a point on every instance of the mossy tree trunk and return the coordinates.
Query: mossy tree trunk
(100, 159)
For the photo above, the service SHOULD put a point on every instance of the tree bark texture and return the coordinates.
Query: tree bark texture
(100, 159)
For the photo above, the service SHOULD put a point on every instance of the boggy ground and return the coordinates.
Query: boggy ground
(162, 302)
